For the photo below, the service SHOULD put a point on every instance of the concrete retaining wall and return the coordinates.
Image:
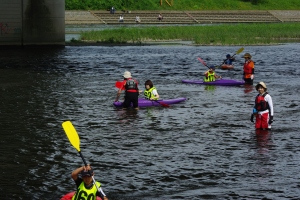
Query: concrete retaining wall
(32, 22)
(10, 22)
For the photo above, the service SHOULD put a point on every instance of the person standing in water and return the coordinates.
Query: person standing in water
(263, 108)
(131, 91)
(248, 69)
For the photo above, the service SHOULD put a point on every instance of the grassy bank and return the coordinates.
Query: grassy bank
(238, 34)
(183, 5)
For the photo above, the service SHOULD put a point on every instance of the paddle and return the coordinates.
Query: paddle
(237, 52)
(161, 103)
(75, 141)
(202, 61)
(119, 85)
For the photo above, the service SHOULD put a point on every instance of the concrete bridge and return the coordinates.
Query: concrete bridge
(32, 22)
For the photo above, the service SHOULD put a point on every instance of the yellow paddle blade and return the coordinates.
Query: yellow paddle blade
(240, 50)
(71, 134)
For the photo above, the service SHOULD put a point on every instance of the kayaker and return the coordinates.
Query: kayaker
(263, 108)
(227, 63)
(229, 60)
(150, 91)
(131, 91)
(83, 177)
(210, 75)
(248, 69)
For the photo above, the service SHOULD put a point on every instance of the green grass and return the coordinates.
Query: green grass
(245, 34)
(237, 34)
(183, 5)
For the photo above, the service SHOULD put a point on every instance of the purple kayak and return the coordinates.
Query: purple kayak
(224, 82)
(147, 103)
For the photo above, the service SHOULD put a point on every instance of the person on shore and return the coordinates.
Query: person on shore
(137, 19)
(131, 91)
(86, 189)
(150, 91)
(121, 19)
(160, 17)
(248, 69)
(112, 10)
(263, 108)
(210, 75)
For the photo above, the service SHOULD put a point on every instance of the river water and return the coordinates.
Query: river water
(204, 148)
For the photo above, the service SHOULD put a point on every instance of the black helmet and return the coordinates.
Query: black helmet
(87, 173)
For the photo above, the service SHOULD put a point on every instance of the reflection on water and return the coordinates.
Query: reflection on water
(204, 148)
(210, 87)
(263, 138)
(248, 88)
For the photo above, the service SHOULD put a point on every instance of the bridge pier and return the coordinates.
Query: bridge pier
(32, 22)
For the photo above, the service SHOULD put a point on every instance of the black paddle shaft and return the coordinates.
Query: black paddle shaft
(82, 158)
(85, 164)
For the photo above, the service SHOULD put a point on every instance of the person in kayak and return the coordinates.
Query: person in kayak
(131, 91)
(86, 189)
(248, 69)
(228, 60)
(210, 75)
(150, 91)
(263, 108)
(227, 63)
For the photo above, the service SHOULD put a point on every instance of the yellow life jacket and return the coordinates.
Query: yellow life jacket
(148, 93)
(83, 193)
(210, 77)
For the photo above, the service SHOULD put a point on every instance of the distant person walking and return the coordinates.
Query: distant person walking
(121, 19)
(137, 19)
(112, 10)
(160, 17)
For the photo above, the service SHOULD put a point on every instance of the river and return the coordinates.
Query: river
(204, 148)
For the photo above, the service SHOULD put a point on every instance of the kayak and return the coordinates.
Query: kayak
(224, 82)
(71, 194)
(225, 67)
(147, 103)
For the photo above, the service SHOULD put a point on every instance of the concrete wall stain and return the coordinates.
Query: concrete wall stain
(38, 18)
(6, 29)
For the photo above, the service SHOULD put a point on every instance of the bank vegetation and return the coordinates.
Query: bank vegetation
(182, 4)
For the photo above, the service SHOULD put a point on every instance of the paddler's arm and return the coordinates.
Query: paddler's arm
(118, 94)
(155, 94)
(75, 173)
(218, 77)
(205, 73)
(101, 194)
